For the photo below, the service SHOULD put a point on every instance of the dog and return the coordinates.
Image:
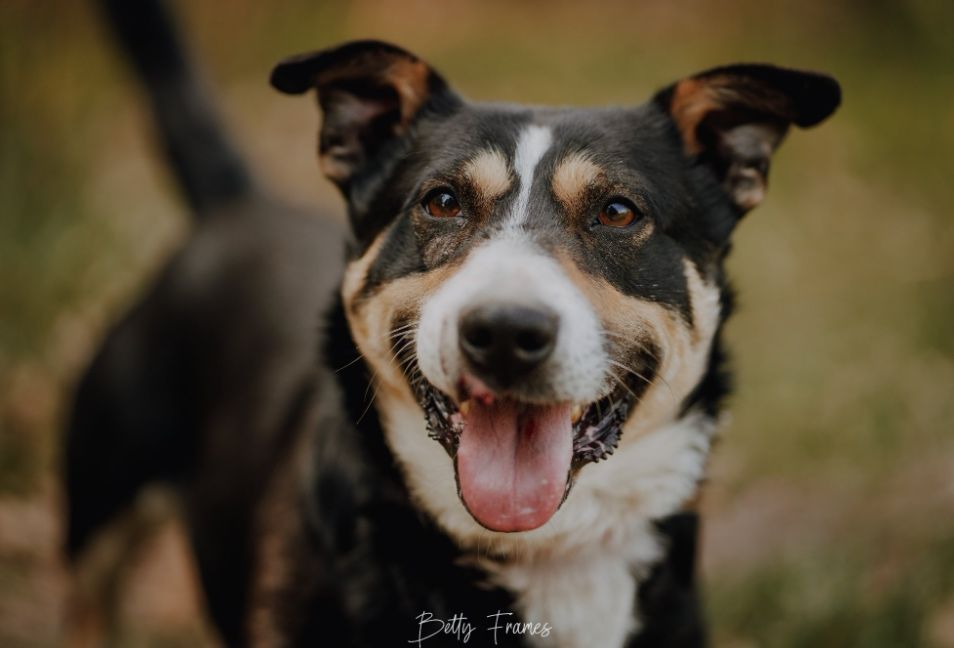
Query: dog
(493, 419)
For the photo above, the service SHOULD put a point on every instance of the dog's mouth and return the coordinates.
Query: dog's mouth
(516, 461)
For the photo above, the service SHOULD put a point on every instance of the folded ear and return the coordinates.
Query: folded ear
(370, 93)
(733, 118)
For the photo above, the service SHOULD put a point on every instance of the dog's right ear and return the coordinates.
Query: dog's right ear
(370, 93)
(732, 119)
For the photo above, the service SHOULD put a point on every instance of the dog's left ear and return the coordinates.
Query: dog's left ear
(733, 118)
(370, 93)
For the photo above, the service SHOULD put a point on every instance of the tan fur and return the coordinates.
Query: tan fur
(683, 349)
(575, 173)
(684, 355)
(408, 78)
(564, 571)
(693, 99)
(357, 271)
(684, 352)
(489, 174)
(567, 570)
(691, 102)
(403, 420)
(371, 318)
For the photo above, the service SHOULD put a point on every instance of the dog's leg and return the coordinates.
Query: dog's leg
(98, 583)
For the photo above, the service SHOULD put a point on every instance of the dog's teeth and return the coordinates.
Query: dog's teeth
(464, 407)
(576, 414)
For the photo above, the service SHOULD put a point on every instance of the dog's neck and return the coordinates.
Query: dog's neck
(588, 562)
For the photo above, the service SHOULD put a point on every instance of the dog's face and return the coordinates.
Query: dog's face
(536, 286)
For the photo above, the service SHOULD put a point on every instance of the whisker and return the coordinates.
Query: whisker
(648, 350)
(404, 347)
(672, 394)
(370, 385)
(400, 334)
(348, 364)
(630, 370)
(370, 402)
(623, 384)
(401, 330)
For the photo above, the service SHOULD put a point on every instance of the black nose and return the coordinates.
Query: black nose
(504, 342)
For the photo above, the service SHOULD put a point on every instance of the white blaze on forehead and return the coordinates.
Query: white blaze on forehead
(532, 144)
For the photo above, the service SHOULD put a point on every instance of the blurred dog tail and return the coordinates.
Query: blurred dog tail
(203, 158)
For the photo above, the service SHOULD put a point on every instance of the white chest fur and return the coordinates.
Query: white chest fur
(579, 572)
(588, 599)
(586, 590)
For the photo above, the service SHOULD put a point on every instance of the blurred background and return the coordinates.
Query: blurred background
(830, 507)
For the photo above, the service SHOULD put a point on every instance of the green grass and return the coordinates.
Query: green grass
(844, 595)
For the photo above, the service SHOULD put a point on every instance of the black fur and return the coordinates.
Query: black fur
(373, 562)
(668, 599)
(688, 212)
(211, 375)
(236, 378)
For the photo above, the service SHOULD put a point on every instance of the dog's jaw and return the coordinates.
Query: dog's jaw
(659, 461)
(662, 451)
(587, 562)
(651, 474)
(513, 452)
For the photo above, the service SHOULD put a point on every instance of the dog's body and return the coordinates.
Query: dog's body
(211, 377)
(534, 298)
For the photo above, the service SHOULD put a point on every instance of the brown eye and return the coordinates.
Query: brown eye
(441, 203)
(617, 213)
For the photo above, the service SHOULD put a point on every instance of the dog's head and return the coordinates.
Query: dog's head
(535, 285)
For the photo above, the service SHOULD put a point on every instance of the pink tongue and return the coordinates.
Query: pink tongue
(513, 463)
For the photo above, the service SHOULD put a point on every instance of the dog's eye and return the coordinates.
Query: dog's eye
(441, 203)
(618, 213)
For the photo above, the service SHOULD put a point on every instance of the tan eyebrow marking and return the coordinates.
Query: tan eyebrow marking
(489, 173)
(573, 175)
